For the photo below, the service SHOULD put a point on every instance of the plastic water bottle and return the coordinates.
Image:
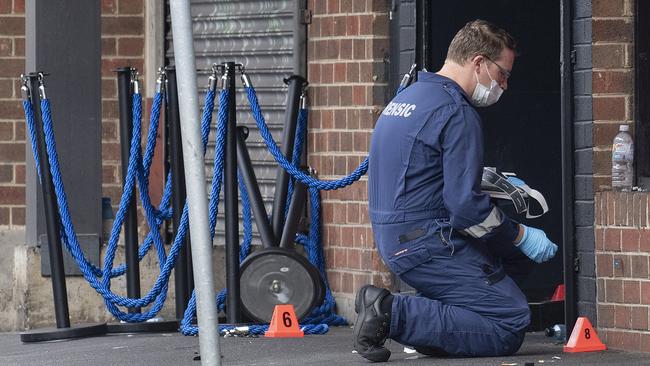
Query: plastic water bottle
(557, 332)
(622, 160)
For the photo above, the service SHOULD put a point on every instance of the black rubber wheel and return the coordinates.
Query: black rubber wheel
(275, 276)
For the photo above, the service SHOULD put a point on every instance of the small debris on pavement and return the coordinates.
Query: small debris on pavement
(243, 331)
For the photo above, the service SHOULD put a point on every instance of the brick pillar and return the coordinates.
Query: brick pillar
(123, 36)
(613, 73)
(622, 255)
(583, 217)
(621, 218)
(12, 123)
(347, 70)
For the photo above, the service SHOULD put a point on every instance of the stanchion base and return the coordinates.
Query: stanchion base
(144, 327)
(53, 334)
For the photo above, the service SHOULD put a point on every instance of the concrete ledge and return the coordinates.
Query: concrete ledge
(26, 296)
(10, 293)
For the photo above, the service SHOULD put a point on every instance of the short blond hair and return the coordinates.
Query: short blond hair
(479, 37)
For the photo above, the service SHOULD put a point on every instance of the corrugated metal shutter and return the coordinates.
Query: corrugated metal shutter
(259, 35)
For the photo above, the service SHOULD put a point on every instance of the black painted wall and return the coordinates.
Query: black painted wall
(583, 188)
(63, 38)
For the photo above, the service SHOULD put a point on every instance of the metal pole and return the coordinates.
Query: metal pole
(305, 136)
(231, 203)
(63, 329)
(293, 216)
(52, 219)
(125, 102)
(195, 181)
(128, 85)
(568, 247)
(296, 84)
(182, 275)
(257, 203)
(300, 20)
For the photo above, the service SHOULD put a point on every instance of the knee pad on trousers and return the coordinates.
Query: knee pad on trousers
(512, 343)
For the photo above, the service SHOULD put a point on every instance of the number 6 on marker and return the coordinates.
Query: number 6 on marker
(286, 319)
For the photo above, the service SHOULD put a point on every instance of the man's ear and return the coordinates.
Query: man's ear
(476, 62)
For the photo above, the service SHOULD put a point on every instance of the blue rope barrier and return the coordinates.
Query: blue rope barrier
(186, 327)
(321, 317)
(71, 242)
(143, 169)
(286, 165)
(136, 167)
(138, 171)
(299, 140)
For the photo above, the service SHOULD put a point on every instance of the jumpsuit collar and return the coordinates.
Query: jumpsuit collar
(446, 82)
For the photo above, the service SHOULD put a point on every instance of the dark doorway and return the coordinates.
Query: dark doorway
(523, 130)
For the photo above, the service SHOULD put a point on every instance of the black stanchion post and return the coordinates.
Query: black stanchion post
(257, 203)
(183, 278)
(293, 216)
(53, 224)
(52, 219)
(305, 135)
(127, 85)
(296, 84)
(125, 102)
(233, 303)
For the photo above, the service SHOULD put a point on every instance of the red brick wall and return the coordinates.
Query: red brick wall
(622, 267)
(122, 44)
(347, 70)
(612, 81)
(12, 124)
(123, 35)
(622, 226)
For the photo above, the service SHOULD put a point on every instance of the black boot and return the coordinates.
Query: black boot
(373, 307)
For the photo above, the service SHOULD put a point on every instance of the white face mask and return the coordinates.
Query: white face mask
(484, 96)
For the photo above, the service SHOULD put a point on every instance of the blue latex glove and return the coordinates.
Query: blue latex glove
(536, 246)
(515, 181)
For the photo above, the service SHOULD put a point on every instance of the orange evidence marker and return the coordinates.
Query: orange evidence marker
(284, 323)
(584, 338)
(558, 295)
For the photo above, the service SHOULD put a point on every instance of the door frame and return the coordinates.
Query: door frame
(567, 58)
(421, 26)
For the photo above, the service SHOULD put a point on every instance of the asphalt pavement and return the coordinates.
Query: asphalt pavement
(333, 348)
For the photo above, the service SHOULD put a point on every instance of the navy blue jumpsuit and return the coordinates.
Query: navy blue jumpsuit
(437, 231)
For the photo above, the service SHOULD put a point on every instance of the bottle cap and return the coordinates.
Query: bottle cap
(624, 128)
